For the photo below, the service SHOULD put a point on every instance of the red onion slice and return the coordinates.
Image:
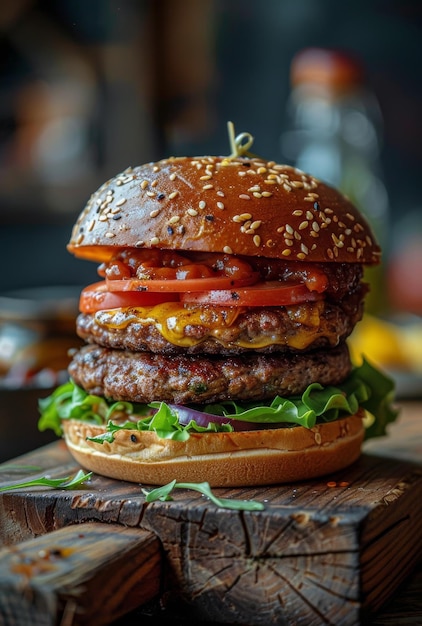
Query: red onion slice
(186, 414)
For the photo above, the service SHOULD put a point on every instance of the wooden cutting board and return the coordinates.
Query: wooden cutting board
(326, 551)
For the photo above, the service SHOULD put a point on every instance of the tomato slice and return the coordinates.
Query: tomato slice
(269, 293)
(181, 285)
(97, 297)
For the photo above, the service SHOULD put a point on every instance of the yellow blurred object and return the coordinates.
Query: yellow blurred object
(387, 344)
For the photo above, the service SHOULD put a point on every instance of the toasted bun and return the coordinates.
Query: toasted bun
(236, 459)
(237, 205)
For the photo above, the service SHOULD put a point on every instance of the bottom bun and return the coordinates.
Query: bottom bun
(236, 459)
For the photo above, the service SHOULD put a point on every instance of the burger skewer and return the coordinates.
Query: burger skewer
(219, 331)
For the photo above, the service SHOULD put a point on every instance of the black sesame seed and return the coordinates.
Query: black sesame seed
(316, 206)
(117, 217)
(170, 230)
(234, 295)
(161, 196)
(133, 438)
(209, 218)
(182, 229)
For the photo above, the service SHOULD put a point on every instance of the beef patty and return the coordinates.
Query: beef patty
(145, 377)
(273, 329)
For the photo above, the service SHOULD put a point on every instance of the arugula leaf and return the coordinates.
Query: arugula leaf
(57, 483)
(163, 494)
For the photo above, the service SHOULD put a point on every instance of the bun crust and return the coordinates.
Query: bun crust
(241, 206)
(236, 459)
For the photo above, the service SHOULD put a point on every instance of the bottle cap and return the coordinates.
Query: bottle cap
(328, 69)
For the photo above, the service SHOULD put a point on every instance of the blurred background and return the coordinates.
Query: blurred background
(88, 88)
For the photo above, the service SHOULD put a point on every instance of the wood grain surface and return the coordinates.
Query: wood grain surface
(327, 551)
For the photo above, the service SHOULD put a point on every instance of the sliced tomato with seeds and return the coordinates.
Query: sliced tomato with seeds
(269, 293)
(181, 284)
(97, 297)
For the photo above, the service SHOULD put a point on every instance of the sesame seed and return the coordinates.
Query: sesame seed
(151, 194)
(121, 201)
(154, 241)
(286, 187)
(205, 187)
(227, 250)
(280, 229)
(91, 225)
(262, 170)
(304, 248)
(173, 195)
(245, 216)
(154, 183)
(139, 243)
(154, 213)
(256, 224)
(267, 194)
(269, 182)
(301, 256)
(202, 204)
(241, 173)
(172, 176)
(174, 219)
(220, 205)
(110, 235)
(286, 252)
(315, 226)
(297, 183)
(207, 177)
(244, 196)
(255, 188)
(192, 212)
(257, 240)
(144, 184)
(289, 229)
(303, 225)
(221, 194)
(257, 194)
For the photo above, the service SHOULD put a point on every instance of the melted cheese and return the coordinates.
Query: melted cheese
(172, 318)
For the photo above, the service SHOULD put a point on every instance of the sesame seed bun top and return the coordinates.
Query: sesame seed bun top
(244, 206)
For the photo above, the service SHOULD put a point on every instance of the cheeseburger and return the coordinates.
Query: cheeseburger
(215, 342)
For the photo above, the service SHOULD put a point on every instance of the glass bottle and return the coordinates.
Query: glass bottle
(333, 131)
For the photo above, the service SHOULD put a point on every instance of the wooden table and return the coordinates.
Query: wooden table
(343, 550)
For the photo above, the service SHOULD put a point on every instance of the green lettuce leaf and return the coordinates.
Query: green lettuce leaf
(366, 387)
